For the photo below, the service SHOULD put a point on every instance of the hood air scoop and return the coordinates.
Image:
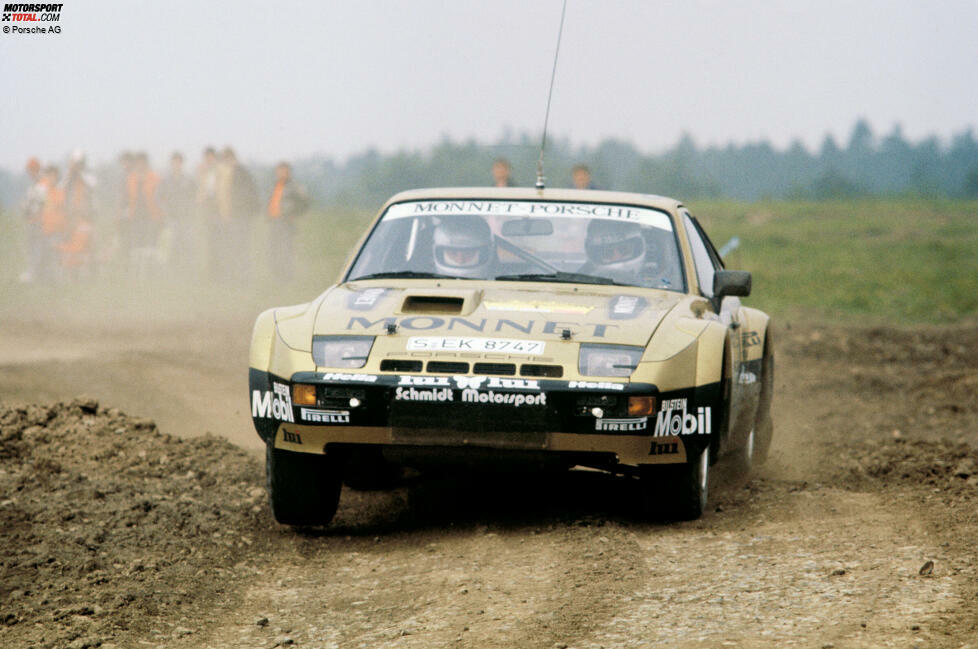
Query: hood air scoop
(432, 304)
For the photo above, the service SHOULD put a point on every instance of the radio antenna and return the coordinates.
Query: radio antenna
(543, 144)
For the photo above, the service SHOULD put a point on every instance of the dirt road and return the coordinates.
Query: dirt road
(859, 532)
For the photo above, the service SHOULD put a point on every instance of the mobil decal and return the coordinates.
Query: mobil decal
(274, 404)
(675, 418)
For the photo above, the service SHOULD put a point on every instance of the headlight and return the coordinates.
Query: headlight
(349, 352)
(608, 360)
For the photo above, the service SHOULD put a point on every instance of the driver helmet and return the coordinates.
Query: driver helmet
(615, 249)
(463, 247)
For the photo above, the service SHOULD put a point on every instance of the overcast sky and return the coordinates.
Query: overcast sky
(290, 79)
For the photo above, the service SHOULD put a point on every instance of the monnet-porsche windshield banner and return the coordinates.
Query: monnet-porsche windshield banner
(530, 209)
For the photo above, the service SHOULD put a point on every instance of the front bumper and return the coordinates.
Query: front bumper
(512, 416)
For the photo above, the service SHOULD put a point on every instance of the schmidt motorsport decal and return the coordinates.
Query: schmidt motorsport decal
(470, 395)
(674, 419)
(274, 404)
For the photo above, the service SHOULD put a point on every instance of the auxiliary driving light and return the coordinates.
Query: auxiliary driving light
(640, 406)
(354, 402)
(303, 394)
(597, 412)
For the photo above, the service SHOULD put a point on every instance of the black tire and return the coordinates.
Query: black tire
(677, 491)
(763, 423)
(745, 457)
(303, 488)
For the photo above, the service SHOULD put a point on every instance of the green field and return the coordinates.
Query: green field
(874, 261)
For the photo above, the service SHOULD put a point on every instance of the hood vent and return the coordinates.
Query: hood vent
(432, 304)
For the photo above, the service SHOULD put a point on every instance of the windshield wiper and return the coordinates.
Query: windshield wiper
(560, 276)
(405, 274)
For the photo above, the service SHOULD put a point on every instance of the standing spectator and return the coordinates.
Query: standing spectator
(177, 198)
(75, 250)
(33, 205)
(144, 210)
(207, 204)
(581, 175)
(237, 207)
(502, 173)
(122, 244)
(52, 224)
(289, 200)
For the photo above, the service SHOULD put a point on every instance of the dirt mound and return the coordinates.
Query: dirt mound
(110, 527)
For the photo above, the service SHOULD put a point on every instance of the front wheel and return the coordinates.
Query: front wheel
(303, 488)
(677, 491)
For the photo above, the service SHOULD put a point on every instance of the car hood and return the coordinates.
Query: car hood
(505, 310)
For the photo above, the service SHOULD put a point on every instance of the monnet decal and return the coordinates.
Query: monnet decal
(324, 416)
(673, 419)
(621, 425)
(272, 405)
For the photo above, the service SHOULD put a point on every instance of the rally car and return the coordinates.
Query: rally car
(516, 328)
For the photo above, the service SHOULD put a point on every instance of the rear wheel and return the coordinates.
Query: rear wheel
(677, 491)
(303, 488)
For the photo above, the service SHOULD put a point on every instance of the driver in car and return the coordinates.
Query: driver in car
(464, 247)
(615, 249)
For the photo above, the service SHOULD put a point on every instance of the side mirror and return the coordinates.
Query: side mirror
(731, 282)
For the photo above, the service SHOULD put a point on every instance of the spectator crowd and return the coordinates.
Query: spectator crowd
(149, 222)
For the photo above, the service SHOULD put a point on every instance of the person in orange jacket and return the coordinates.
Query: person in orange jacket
(31, 207)
(53, 224)
(143, 207)
(287, 202)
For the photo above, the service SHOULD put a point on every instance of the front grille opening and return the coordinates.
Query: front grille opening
(432, 304)
(397, 365)
(551, 371)
(447, 367)
(503, 369)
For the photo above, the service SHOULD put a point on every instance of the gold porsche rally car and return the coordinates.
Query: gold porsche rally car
(516, 328)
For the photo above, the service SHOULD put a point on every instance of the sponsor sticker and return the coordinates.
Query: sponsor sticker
(366, 299)
(625, 307)
(324, 416)
(595, 385)
(274, 404)
(674, 419)
(466, 344)
(514, 399)
(413, 394)
(621, 425)
(549, 209)
(359, 378)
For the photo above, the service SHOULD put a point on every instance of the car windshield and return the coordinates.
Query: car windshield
(597, 243)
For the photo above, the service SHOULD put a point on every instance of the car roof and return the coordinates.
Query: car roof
(531, 193)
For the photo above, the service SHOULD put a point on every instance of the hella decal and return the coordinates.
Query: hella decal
(622, 425)
(324, 416)
(674, 419)
(276, 404)
(595, 385)
(359, 378)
